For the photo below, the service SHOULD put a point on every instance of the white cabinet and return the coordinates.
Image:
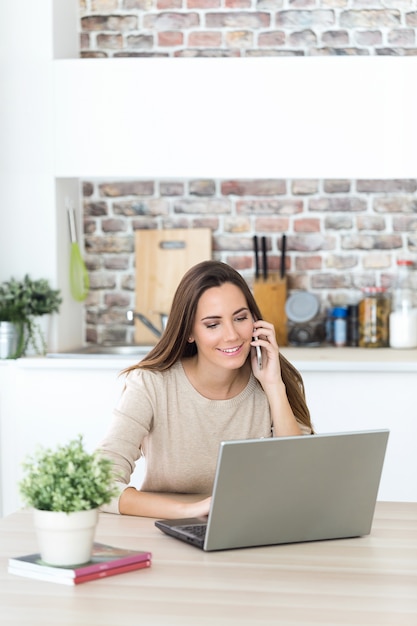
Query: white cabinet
(47, 401)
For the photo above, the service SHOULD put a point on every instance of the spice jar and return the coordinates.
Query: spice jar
(374, 310)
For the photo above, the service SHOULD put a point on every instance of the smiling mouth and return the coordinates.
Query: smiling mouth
(231, 350)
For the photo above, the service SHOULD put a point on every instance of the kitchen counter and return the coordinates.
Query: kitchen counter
(320, 359)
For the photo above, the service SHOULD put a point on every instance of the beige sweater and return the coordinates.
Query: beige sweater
(161, 416)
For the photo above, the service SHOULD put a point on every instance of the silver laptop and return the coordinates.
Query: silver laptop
(289, 489)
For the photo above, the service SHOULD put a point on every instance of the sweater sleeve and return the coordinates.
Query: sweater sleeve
(131, 423)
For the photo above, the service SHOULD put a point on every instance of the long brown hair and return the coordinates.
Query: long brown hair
(174, 345)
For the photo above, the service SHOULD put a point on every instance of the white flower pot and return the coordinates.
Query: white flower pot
(65, 538)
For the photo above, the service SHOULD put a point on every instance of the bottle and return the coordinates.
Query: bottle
(352, 325)
(374, 310)
(339, 326)
(403, 317)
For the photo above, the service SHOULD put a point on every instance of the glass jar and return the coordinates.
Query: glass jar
(403, 317)
(374, 310)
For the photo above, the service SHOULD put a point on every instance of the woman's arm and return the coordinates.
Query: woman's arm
(282, 416)
(168, 506)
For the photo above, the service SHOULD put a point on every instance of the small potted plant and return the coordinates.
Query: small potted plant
(66, 487)
(21, 303)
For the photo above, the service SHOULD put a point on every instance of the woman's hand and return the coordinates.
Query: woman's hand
(264, 337)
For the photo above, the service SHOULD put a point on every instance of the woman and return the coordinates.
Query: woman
(200, 385)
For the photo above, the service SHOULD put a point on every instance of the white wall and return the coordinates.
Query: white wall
(351, 117)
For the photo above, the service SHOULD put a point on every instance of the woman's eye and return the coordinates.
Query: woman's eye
(242, 318)
(214, 325)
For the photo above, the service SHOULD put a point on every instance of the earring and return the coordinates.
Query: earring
(190, 340)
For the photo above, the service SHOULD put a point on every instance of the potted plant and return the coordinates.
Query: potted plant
(21, 303)
(66, 487)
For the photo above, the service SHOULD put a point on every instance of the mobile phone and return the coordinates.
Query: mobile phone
(258, 352)
(259, 356)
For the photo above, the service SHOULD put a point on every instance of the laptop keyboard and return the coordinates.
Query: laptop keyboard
(198, 530)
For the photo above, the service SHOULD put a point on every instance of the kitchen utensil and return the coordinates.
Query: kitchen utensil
(302, 306)
(162, 258)
(79, 280)
(283, 252)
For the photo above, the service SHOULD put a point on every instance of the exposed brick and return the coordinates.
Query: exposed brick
(282, 207)
(101, 280)
(236, 225)
(105, 245)
(96, 209)
(237, 4)
(341, 262)
(239, 39)
(338, 222)
(113, 226)
(171, 20)
(205, 222)
(305, 19)
(272, 224)
(267, 187)
(205, 39)
(240, 262)
(144, 223)
(336, 37)
(411, 19)
(142, 5)
(387, 185)
(272, 38)
(117, 262)
(171, 188)
(231, 242)
(202, 187)
(304, 186)
(336, 185)
(307, 225)
(127, 188)
(331, 281)
(302, 38)
(121, 23)
(165, 5)
(336, 204)
(90, 227)
(104, 5)
(371, 242)
(370, 18)
(170, 38)
(117, 299)
(87, 189)
(208, 205)
(376, 261)
(370, 222)
(110, 41)
(395, 204)
(144, 42)
(404, 223)
(310, 242)
(153, 206)
(238, 19)
(203, 4)
(402, 37)
(310, 262)
(368, 37)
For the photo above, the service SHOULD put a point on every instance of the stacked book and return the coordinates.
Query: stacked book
(105, 561)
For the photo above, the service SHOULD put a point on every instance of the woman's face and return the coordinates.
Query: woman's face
(223, 327)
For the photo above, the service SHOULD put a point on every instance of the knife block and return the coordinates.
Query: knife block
(271, 295)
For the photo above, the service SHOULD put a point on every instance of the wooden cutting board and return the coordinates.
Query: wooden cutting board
(162, 257)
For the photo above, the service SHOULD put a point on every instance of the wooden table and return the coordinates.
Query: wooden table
(360, 582)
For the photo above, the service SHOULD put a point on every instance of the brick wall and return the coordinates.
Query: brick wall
(111, 28)
(341, 234)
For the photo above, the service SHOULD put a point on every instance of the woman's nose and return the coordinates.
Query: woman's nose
(230, 332)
